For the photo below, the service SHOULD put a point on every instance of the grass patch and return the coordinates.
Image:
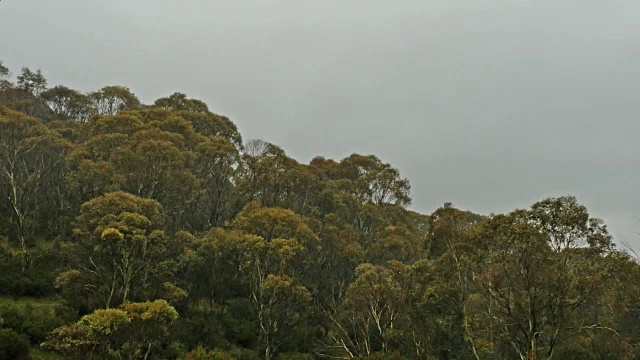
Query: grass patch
(35, 302)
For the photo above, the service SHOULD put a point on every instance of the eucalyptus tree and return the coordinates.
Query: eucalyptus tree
(30, 157)
(111, 100)
(67, 103)
(120, 252)
(32, 82)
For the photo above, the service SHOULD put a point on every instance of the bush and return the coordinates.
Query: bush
(35, 323)
(10, 272)
(13, 346)
(36, 281)
(40, 322)
(202, 354)
(239, 323)
(198, 328)
(244, 354)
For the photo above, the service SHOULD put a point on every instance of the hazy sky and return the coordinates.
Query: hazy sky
(490, 104)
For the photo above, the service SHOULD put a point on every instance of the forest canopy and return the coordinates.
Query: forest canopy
(154, 231)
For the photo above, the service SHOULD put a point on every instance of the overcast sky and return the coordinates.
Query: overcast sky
(490, 104)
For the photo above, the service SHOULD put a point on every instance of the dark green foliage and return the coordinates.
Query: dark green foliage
(34, 321)
(200, 353)
(36, 281)
(12, 280)
(68, 104)
(13, 346)
(240, 324)
(4, 71)
(31, 82)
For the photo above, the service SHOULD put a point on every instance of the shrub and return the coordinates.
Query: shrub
(13, 346)
(202, 354)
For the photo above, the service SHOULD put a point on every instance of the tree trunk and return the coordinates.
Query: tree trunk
(26, 254)
(267, 353)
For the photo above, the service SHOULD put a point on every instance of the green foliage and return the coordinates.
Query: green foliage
(201, 354)
(4, 71)
(132, 331)
(121, 228)
(179, 101)
(111, 100)
(32, 82)
(30, 156)
(68, 103)
(12, 280)
(13, 346)
(34, 321)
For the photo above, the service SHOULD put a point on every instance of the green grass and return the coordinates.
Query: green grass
(39, 302)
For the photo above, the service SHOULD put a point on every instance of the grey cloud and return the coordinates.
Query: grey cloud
(489, 104)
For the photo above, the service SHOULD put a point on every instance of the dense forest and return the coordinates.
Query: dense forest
(153, 231)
